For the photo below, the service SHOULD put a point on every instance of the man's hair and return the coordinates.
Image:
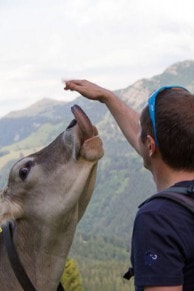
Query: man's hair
(174, 127)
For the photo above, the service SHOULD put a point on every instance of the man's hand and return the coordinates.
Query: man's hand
(126, 118)
(88, 90)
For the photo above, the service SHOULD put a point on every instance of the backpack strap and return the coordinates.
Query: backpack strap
(129, 274)
(181, 195)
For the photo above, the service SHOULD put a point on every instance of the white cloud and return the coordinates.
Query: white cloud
(110, 42)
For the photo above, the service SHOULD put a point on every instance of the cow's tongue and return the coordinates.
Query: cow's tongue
(83, 122)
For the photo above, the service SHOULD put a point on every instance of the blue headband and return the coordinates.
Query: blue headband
(152, 106)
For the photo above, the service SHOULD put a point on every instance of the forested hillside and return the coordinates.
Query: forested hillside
(102, 243)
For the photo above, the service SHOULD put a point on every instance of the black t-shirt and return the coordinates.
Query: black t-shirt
(163, 244)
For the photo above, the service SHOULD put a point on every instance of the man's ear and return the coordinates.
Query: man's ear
(151, 145)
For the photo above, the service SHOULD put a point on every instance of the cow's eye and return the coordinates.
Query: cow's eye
(24, 171)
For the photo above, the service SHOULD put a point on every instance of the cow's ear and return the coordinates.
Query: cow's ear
(90, 149)
(9, 210)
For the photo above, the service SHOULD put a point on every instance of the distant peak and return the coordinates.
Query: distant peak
(38, 107)
(179, 66)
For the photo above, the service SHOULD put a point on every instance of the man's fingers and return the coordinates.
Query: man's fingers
(73, 84)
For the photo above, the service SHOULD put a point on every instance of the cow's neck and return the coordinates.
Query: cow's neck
(43, 252)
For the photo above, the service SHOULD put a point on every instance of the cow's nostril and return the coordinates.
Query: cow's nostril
(72, 124)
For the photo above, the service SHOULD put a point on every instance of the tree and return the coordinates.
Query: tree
(71, 279)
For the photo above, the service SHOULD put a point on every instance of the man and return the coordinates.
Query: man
(163, 236)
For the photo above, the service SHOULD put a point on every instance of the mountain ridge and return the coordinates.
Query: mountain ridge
(131, 91)
(44, 104)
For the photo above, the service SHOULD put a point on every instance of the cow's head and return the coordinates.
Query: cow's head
(55, 184)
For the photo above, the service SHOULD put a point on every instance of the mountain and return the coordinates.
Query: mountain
(122, 183)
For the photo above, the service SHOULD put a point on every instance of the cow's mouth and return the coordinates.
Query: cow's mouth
(82, 120)
(72, 124)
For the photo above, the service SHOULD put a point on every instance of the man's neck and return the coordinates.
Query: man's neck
(165, 177)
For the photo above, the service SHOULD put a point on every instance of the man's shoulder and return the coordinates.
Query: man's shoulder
(155, 205)
(161, 206)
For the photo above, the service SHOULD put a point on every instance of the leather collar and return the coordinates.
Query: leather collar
(14, 259)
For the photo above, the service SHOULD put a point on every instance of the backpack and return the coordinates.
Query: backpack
(181, 195)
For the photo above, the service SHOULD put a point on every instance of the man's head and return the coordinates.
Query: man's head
(170, 122)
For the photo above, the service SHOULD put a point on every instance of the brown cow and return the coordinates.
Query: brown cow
(46, 196)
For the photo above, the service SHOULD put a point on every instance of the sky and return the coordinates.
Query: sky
(109, 42)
